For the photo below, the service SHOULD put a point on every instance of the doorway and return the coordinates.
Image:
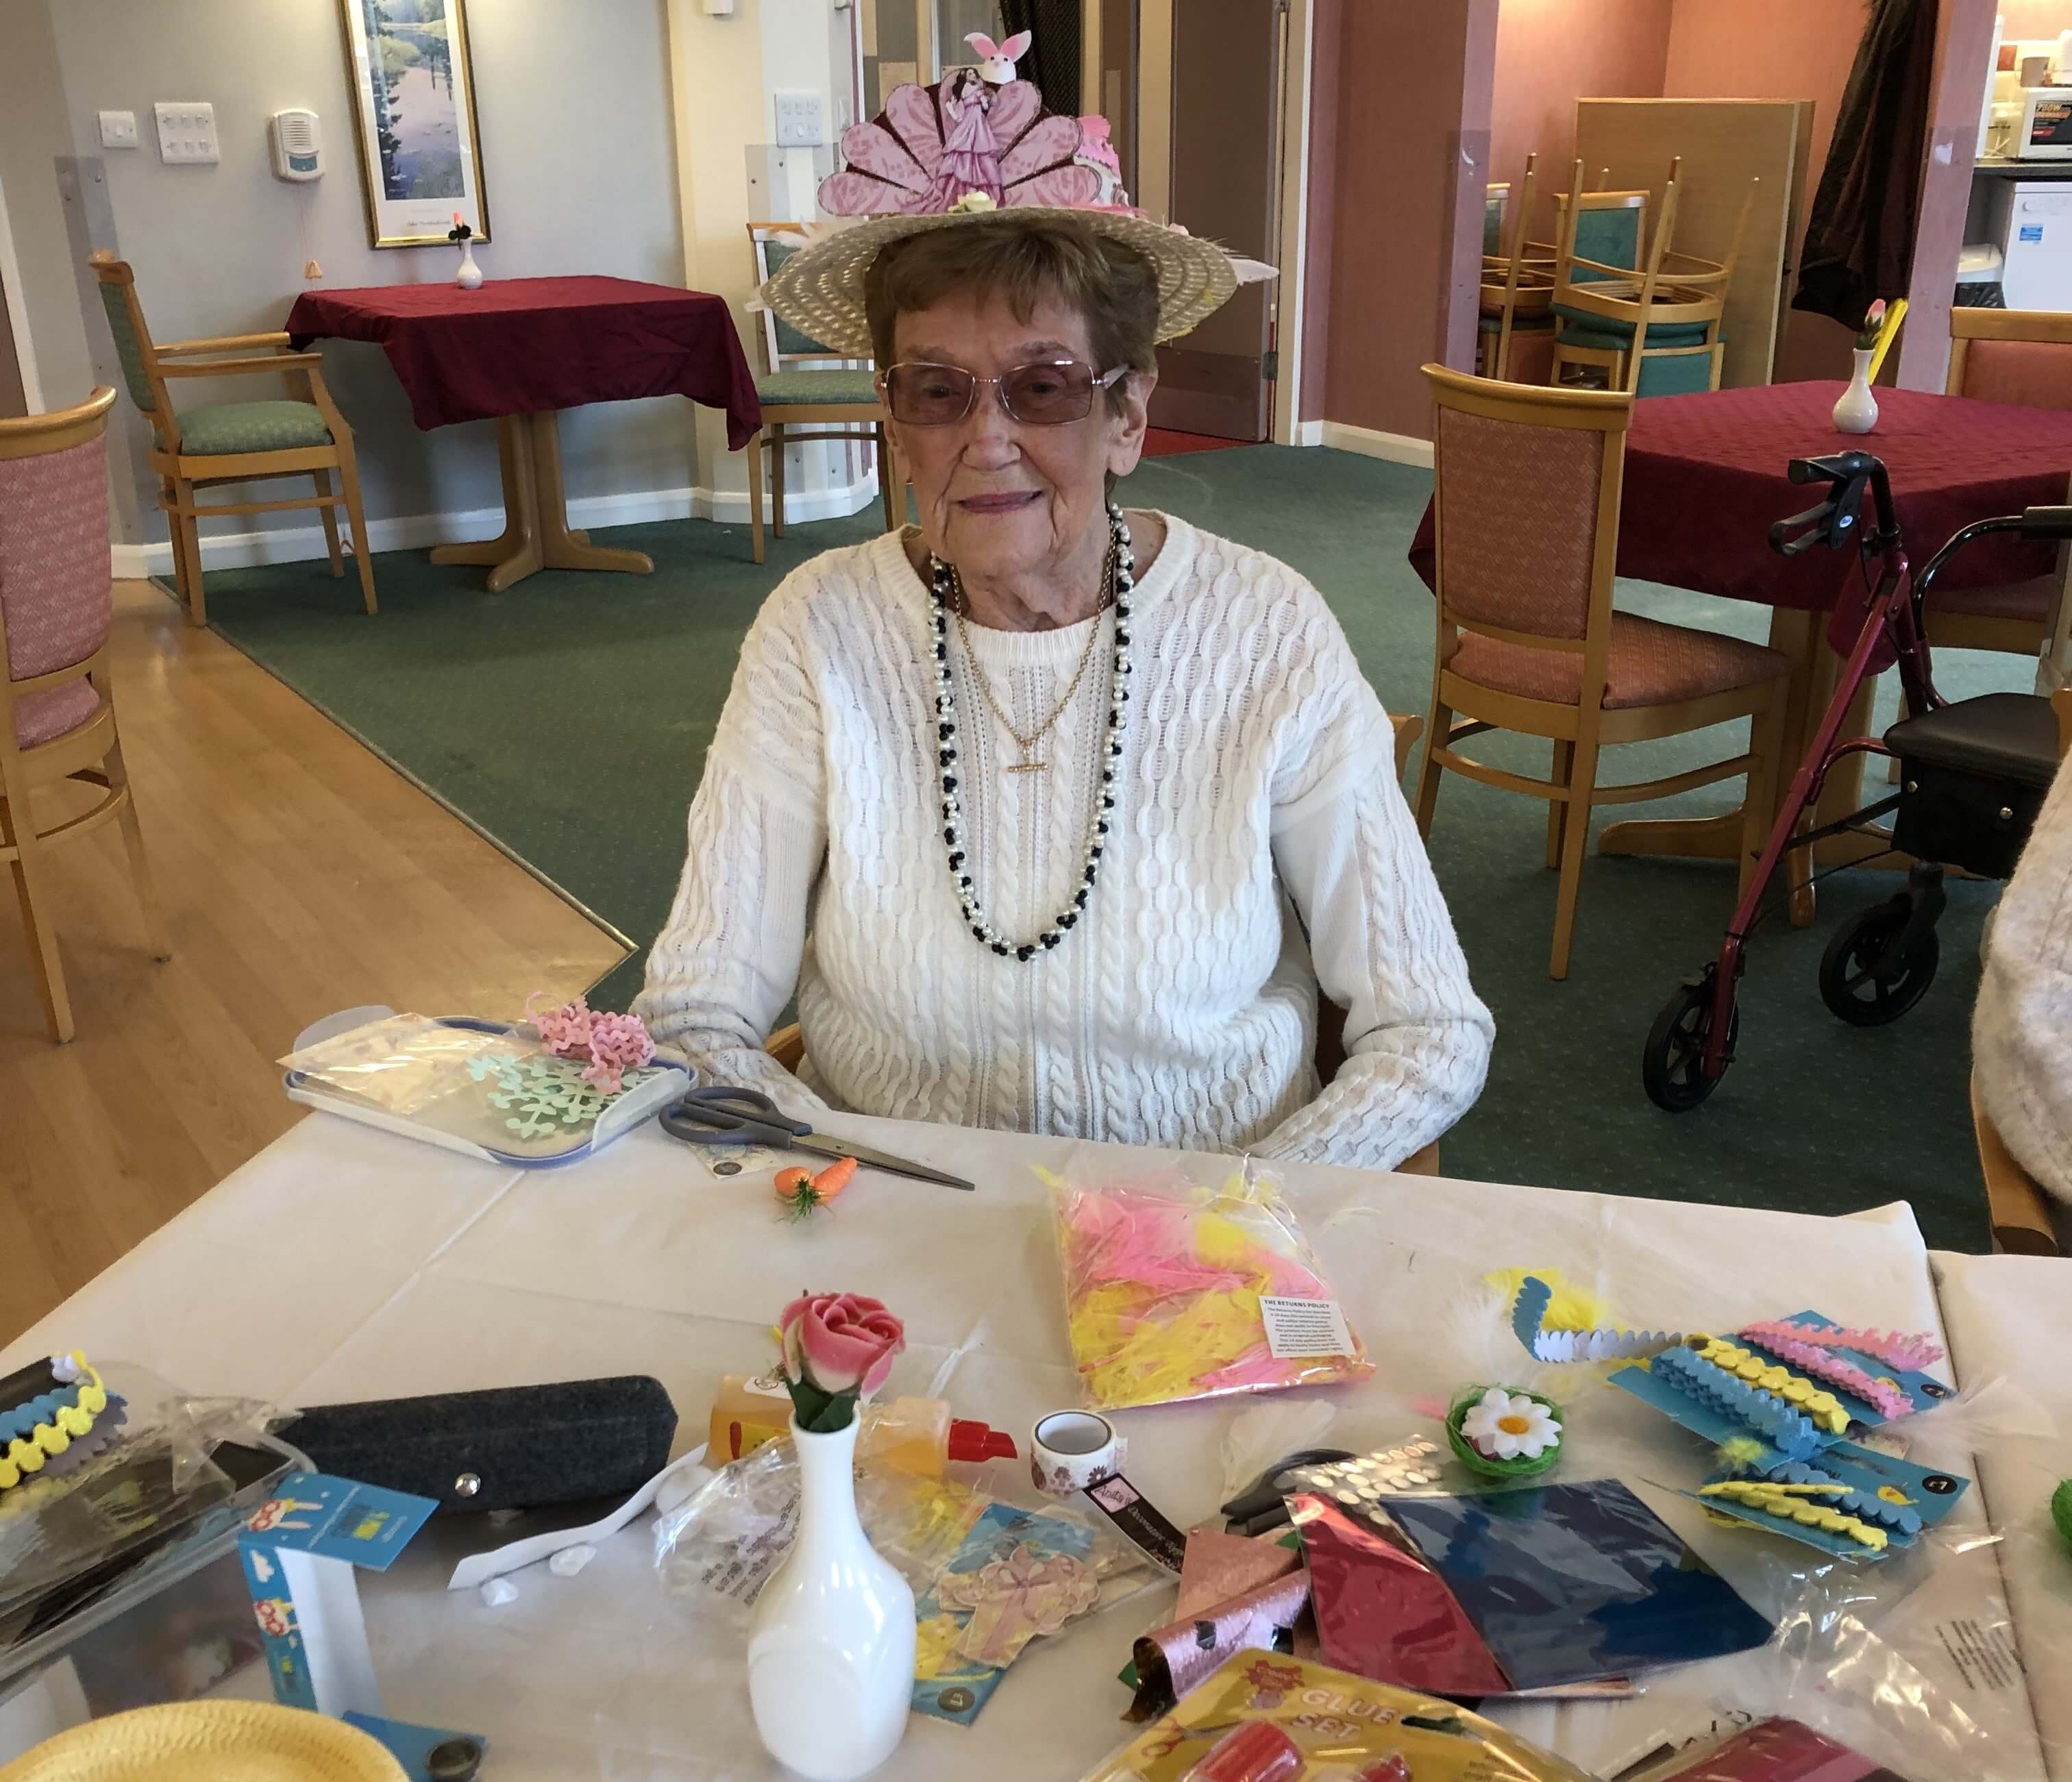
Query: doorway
(18, 394)
(1202, 142)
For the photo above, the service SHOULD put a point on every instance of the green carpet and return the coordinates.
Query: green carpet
(569, 719)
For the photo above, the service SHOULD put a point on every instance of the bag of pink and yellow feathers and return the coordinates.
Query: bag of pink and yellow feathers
(1165, 1279)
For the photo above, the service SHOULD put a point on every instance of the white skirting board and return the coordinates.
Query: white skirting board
(1397, 448)
(420, 531)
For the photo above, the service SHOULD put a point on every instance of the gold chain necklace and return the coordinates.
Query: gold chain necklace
(1030, 763)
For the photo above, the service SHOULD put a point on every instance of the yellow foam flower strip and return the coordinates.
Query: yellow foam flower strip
(1800, 1393)
(1792, 1504)
(25, 1454)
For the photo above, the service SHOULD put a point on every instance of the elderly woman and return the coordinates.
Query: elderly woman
(1055, 816)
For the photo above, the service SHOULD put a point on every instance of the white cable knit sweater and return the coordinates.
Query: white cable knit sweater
(1256, 787)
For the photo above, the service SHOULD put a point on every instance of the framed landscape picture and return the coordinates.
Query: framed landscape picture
(413, 106)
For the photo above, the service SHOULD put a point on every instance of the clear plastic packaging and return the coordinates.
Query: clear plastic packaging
(477, 1087)
(1178, 1289)
(1343, 1728)
(177, 1473)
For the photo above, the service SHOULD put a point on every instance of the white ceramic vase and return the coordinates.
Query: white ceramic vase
(469, 278)
(830, 1646)
(1855, 409)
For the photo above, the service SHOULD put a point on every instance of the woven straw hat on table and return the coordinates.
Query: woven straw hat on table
(209, 1742)
(820, 288)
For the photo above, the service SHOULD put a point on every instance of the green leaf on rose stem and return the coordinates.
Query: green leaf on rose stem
(807, 1401)
(838, 1413)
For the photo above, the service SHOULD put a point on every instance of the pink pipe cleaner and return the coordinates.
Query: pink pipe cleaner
(1825, 1365)
(612, 1045)
(1895, 1349)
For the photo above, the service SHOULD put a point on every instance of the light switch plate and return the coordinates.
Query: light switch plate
(187, 132)
(802, 120)
(118, 130)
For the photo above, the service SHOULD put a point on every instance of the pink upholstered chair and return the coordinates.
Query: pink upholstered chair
(1526, 506)
(2022, 357)
(57, 715)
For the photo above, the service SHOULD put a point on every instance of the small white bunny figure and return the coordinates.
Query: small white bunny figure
(997, 68)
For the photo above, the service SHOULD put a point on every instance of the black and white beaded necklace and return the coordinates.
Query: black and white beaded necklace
(941, 584)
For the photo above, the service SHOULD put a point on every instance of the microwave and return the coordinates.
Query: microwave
(2046, 125)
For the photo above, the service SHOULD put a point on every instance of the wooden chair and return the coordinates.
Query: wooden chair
(2022, 357)
(219, 442)
(57, 711)
(1526, 505)
(2023, 1221)
(1518, 287)
(787, 1045)
(799, 384)
(1656, 330)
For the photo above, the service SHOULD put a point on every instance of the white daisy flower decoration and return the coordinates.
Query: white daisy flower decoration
(1510, 1425)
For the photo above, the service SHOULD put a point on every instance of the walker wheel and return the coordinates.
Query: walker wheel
(1672, 1068)
(1850, 984)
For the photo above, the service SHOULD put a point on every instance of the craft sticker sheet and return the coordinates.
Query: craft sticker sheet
(1019, 1573)
(1571, 1582)
(1777, 1398)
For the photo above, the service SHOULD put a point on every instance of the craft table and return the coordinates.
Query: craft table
(1704, 482)
(2010, 1318)
(344, 1263)
(519, 349)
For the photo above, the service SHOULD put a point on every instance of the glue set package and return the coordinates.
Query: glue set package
(1260, 1715)
(1175, 1289)
(485, 1089)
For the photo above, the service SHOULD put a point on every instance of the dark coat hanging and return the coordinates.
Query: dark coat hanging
(1859, 232)
(1053, 60)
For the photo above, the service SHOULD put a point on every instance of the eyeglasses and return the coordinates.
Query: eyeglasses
(1045, 395)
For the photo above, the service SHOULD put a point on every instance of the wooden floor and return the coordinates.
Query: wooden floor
(300, 875)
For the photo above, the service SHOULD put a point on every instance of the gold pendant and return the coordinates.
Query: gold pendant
(1029, 767)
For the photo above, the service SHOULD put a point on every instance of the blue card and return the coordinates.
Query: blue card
(1571, 1583)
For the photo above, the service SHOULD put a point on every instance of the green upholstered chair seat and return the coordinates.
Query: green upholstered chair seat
(775, 389)
(217, 429)
(1532, 321)
(1584, 329)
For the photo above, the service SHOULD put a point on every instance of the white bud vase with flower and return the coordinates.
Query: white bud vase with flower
(1857, 410)
(830, 1646)
(469, 278)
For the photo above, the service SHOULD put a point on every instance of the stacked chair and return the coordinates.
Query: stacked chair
(1645, 316)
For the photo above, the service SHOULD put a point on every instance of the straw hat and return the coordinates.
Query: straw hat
(820, 288)
(209, 1742)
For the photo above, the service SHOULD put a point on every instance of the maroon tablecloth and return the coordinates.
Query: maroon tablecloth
(1704, 479)
(519, 346)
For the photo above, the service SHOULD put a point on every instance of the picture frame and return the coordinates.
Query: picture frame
(413, 116)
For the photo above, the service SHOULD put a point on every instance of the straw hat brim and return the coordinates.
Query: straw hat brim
(819, 290)
(209, 1742)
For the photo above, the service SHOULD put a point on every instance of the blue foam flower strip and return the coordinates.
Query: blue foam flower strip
(1788, 1431)
(23, 1420)
(1865, 1504)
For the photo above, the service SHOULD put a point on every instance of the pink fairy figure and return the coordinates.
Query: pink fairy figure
(970, 157)
(895, 159)
(996, 65)
(1097, 153)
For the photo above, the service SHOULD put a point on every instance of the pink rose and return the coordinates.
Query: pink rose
(841, 1342)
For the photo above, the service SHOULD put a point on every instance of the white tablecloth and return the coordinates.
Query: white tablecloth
(343, 1263)
(2010, 1318)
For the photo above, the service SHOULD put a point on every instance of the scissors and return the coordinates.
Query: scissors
(720, 1115)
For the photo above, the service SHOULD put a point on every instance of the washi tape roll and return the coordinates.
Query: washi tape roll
(1080, 1451)
(1070, 1450)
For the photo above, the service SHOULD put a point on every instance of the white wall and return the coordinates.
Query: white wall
(33, 135)
(575, 113)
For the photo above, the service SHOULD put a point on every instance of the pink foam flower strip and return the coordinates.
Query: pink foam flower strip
(1824, 1364)
(1914, 1351)
(609, 1045)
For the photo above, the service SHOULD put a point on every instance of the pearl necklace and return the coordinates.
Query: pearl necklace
(942, 585)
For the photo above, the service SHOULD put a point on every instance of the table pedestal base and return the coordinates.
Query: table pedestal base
(1814, 669)
(536, 533)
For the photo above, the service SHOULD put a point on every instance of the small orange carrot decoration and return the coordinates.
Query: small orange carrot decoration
(804, 1193)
